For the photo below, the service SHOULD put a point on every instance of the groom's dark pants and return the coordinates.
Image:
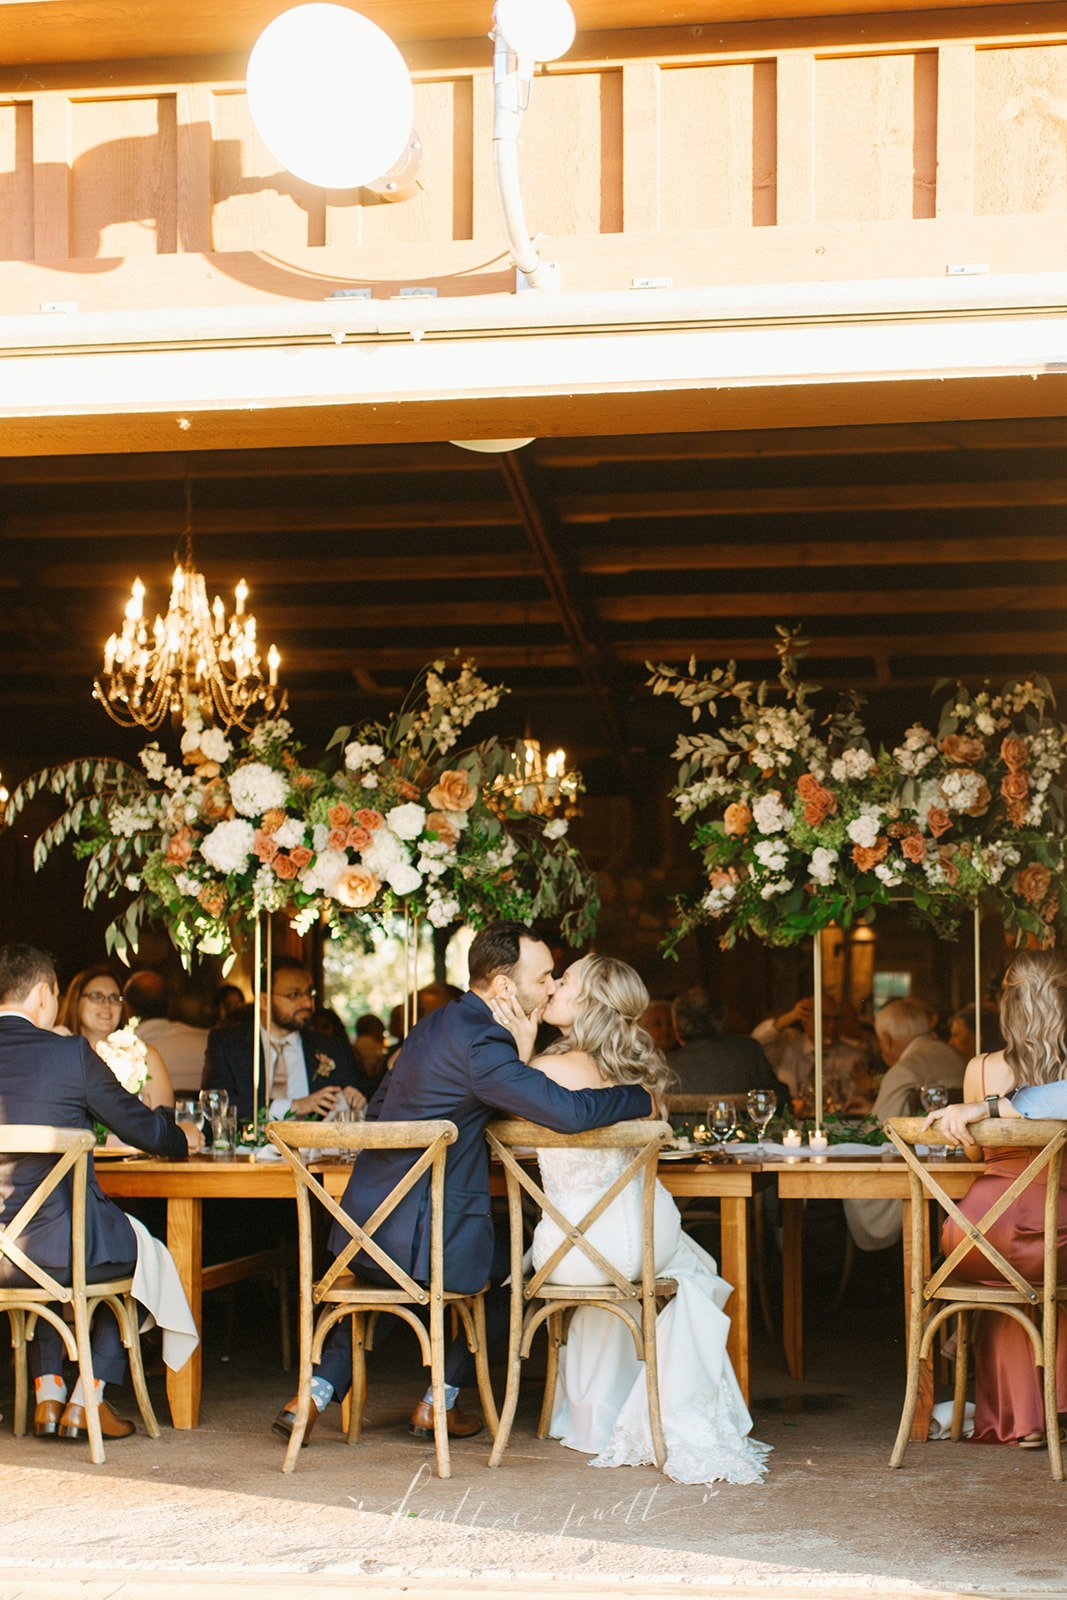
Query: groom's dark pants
(336, 1363)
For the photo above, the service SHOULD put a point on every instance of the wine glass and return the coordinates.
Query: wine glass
(213, 1102)
(721, 1119)
(762, 1104)
(934, 1098)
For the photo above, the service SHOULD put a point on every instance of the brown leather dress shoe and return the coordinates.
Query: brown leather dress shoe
(460, 1426)
(73, 1423)
(285, 1422)
(46, 1418)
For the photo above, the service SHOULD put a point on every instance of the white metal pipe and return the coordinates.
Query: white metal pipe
(510, 89)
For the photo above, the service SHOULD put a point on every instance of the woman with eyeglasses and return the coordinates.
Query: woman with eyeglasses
(92, 1009)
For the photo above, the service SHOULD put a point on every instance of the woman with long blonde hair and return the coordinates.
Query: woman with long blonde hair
(601, 1404)
(1032, 1069)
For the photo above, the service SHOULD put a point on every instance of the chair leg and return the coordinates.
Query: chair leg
(132, 1340)
(19, 1361)
(281, 1281)
(85, 1370)
(959, 1398)
(357, 1395)
(370, 1330)
(554, 1330)
(1052, 1421)
(511, 1390)
(303, 1399)
(481, 1366)
(911, 1400)
(655, 1416)
(437, 1381)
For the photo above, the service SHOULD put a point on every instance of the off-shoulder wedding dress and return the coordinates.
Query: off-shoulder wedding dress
(601, 1404)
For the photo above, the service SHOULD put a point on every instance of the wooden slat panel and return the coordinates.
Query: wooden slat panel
(16, 181)
(875, 137)
(194, 158)
(123, 176)
(641, 141)
(1020, 130)
(717, 139)
(955, 130)
(571, 154)
(257, 205)
(51, 177)
(430, 214)
(795, 83)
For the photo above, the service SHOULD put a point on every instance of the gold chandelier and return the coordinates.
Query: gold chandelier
(193, 657)
(537, 784)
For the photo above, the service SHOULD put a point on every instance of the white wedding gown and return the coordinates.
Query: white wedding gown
(601, 1404)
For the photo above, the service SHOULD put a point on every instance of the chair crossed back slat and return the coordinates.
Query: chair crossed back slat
(646, 1138)
(430, 1138)
(1047, 1137)
(72, 1146)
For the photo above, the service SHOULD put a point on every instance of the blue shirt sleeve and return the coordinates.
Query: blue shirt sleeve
(502, 1080)
(1041, 1099)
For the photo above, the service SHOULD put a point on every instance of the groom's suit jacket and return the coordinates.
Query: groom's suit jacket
(62, 1083)
(459, 1064)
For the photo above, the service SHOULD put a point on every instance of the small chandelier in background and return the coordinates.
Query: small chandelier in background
(193, 657)
(4, 798)
(539, 785)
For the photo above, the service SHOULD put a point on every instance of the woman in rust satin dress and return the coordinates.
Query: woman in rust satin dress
(1033, 1013)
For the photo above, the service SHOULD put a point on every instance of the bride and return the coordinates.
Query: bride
(601, 1404)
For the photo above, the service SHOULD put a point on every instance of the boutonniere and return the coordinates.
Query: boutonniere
(324, 1064)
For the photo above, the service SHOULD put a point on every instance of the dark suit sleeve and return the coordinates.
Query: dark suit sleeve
(122, 1112)
(218, 1068)
(377, 1099)
(501, 1080)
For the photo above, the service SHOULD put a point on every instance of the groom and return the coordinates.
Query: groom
(459, 1063)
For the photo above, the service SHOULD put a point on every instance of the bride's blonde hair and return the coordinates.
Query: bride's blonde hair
(1033, 1016)
(607, 1026)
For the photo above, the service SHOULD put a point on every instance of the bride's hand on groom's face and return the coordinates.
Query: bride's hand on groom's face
(510, 1015)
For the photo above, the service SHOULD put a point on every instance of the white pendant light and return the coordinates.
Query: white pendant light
(536, 30)
(330, 96)
(491, 447)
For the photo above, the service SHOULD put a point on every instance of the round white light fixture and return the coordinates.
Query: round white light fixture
(537, 30)
(330, 96)
(491, 447)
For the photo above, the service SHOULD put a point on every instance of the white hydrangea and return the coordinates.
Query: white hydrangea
(153, 761)
(769, 814)
(363, 755)
(255, 788)
(556, 828)
(403, 878)
(215, 745)
(384, 852)
(852, 766)
(187, 885)
(777, 887)
(127, 820)
(772, 854)
(324, 871)
(290, 834)
(864, 829)
(408, 821)
(320, 833)
(961, 789)
(442, 913)
(822, 868)
(228, 846)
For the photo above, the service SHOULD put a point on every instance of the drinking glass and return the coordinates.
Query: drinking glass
(935, 1098)
(224, 1133)
(721, 1123)
(187, 1108)
(762, 1105)
(214, 1101)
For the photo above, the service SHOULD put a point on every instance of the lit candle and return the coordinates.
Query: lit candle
(791, 1139)
(109, 653)
(817, 1141)
(274, 661)
(241, 592)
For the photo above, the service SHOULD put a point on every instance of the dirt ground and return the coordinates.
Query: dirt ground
(195, 1510)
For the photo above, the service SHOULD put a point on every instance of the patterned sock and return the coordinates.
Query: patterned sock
(50, 1386)
(78, 1397)
(451, 1396)
(321, 1392)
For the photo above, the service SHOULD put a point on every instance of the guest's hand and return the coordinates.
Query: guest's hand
(318, 1104)
(356, 1100)
(953, 1121)
(194, 1138)
(523, 1029)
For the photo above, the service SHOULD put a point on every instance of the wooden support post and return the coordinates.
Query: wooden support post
(185, 1243)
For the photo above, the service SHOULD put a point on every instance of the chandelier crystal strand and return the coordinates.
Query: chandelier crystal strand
(194, 656)
(539, 785)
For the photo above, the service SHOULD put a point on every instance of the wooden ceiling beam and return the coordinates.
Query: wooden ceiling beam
(804, 499)
(302, 569)
(934, 645)
(153, 522)
(900, 603)
(342, 461)
(741, 554)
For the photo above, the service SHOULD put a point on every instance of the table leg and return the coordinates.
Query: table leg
(734, 1213)
(793, 1285)
(185, 1242)
(920, 1428)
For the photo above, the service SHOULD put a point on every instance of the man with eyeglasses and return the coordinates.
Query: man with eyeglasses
(300, 1071)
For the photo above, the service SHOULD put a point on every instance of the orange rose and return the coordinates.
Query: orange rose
(215, 805)
(913, 847)
(180, 848)
(358, 838)
(737, 819)
(337, 839)
(1015, 787)
(408, 791)
(446, 831)
(1033, 882)
(339, 816)
(948, 866)
(300, 857)
(938, 821)
(452, 792)
(982, 801)
(824, 805)
(808, 786)
(272, 820)
(370, 819)
(213, 899)
(866, 859)
(356, 887)
(962, 750)
(1014, 754)
(264, 847)
(722, 876)
(303, 780)
(284, 866)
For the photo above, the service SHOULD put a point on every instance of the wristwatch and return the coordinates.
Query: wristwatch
(993, 1103)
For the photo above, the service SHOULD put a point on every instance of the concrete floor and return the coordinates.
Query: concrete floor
(194, 1510)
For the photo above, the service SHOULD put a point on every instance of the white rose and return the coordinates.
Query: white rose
(556, 828)
(407, 822)
(324, 871)
(822, 866)
(255, 788)
(384, 852)
(215, 745)
(363, 755)
(290, 834)
(403, 878)
(369, 781)
(769, 814)
(228, 847)
(779, 886)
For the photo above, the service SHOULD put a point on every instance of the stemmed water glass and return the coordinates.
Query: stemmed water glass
(721, 1122)
(762, 1105)
(935, 1098)
(213, 1102)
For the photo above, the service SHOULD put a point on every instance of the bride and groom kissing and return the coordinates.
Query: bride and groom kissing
(475, 1059)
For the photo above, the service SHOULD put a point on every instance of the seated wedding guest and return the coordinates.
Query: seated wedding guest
(59, 1081)
(182, 1047)
(788, 1041)
(961, 1032)
(913, 1058)
(370, 1043)
(303, 1071)
(710, 1061)
(92, 1009)
(227, 1002)
(659, 1026)
(324, 1019)
(1027, 1078)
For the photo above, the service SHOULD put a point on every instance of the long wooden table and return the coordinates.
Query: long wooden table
(185, 1185)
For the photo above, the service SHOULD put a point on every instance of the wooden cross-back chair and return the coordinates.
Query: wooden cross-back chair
(27, 1305)
(538, 1300)
(341, 1293)
(939, 1296)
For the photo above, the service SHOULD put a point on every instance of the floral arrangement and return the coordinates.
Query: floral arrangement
(985, 809)
(794, 813)
(127, 1056)
(406, 823)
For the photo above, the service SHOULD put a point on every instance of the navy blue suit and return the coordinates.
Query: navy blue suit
(457, 1064)
(62, 1083)
(228, 1065)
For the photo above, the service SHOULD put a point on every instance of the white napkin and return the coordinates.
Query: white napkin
(873, 1152)
(941, 1420)
(158, 1288)
(267, 1152)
